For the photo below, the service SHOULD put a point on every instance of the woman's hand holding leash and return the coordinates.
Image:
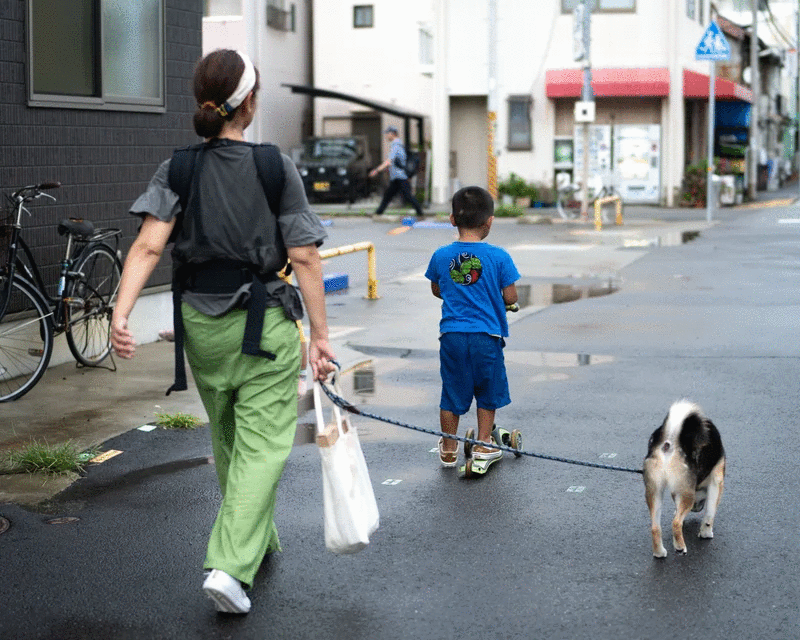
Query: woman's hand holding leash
(320, 356)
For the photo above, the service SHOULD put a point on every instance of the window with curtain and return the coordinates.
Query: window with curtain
(519, 123)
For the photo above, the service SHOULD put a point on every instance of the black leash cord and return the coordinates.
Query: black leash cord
(351, 408)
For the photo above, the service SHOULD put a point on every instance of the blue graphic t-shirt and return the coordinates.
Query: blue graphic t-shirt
(471, 277)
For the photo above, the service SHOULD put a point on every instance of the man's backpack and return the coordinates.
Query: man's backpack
(269, 166)
(411, 165)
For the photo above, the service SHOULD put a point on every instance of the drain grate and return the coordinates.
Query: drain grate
(4, 525)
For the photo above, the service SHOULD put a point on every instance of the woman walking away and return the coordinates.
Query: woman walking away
(235, 211)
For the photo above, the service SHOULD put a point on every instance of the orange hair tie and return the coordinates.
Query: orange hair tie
(222, 111)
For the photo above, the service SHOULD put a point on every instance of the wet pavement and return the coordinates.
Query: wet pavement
(536, 548)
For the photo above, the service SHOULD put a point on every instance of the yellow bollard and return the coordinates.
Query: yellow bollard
(372, 278)
(598, 218)
(598, 204)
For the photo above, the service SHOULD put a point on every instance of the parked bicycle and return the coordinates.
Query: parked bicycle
(30, 317)
(568, 201)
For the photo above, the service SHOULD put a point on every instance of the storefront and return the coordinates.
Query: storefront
(627, 139)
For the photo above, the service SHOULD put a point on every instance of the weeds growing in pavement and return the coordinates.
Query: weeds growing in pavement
(177, 421)
(39, 457)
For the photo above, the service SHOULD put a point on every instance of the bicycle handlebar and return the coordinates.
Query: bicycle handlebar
(36, 189)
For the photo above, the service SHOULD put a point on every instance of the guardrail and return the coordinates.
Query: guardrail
(598, 210)
(372, 279)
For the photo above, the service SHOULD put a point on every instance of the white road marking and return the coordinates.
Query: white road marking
(551, 247)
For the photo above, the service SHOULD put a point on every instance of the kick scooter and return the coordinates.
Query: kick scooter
(473, 466)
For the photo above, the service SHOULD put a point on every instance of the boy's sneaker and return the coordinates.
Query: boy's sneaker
(447, 458)
(226, 592)
(485, 452)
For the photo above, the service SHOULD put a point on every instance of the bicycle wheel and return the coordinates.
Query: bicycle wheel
(92, 296)
(26, 339)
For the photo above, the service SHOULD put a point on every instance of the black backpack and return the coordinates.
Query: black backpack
(269, 166)
(412, 163)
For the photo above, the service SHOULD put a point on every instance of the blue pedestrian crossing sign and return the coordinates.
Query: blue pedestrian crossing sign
(713, 45)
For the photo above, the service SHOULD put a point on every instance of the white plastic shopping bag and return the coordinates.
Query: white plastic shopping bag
(351, 513)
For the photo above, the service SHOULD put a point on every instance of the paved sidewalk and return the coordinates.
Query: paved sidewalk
(90, 406)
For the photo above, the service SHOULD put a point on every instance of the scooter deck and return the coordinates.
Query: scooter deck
(476, 467)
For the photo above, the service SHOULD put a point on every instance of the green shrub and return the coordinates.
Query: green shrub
(516, 187)
(508, 211)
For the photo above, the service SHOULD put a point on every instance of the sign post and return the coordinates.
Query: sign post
(712, 47)
(585, 108)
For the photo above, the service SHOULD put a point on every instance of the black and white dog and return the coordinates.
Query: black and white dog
(684, 455)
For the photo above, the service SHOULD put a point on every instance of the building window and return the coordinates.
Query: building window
(106, 54)
(425, 46)
(215, 8)
(279, 17)
(568, 6)
(519, 123)
(691, 9)
(363, 16)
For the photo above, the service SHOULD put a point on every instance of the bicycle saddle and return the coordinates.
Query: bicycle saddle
(75, 227)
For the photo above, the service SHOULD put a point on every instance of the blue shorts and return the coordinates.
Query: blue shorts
(472, 366)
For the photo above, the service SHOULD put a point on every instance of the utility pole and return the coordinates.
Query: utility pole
(711, 202)
(755, 85)
(492, 100)
(586, 96)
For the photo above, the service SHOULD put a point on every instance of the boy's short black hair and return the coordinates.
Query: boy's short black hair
(472, 207)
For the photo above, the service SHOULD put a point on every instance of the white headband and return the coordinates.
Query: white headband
(245, 86)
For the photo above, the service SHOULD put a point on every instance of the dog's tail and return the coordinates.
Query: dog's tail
(680, 413)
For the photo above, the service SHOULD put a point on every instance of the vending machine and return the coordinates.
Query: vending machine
(637, 162)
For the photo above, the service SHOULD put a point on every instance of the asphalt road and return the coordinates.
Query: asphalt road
(535, 549)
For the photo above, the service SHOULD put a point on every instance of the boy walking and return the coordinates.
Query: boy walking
(475, 281)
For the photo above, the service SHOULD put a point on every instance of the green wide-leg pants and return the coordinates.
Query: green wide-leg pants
(252, 407)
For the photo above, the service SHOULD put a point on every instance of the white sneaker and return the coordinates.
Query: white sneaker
(486, 452)
(226, 592)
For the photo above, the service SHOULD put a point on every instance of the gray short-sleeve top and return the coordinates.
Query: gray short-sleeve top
(231, 184)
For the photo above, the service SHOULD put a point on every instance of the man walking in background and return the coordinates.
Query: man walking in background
(398, 178)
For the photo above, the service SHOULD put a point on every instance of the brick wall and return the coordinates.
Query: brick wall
(103, 159)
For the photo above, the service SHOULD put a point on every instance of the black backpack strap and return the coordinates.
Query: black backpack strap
(181, 169)
(269, 166)
(180, 178)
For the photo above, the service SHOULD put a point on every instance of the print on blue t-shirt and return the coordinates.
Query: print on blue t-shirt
(465, 268)
(471, 277)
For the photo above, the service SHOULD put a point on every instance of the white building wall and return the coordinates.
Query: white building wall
(380, 63)
(280, 56)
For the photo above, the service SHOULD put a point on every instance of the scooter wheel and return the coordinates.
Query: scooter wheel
(470, 435)
(468, 468)
(516, 442)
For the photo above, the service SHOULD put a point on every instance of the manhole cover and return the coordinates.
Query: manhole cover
(64, 520)
(4, 525)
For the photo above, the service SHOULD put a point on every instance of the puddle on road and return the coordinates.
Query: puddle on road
(396, 387)
(542, 294)
(671, 239)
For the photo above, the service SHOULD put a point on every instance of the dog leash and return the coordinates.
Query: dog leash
(351, 408)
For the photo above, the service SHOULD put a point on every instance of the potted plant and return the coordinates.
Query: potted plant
(518, 191)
